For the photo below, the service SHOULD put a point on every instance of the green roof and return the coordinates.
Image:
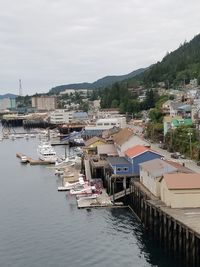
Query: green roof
(186, 122)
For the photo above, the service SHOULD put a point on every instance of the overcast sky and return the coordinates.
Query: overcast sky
(52, 42)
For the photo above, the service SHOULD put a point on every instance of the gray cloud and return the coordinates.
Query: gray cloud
(52, 42)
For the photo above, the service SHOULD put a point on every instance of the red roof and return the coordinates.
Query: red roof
(182, 180)
(137, 150)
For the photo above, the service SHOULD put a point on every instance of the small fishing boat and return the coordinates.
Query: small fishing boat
(68, 186)
(24, 159)
(82, 189)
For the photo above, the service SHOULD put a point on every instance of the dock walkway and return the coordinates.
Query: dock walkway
(33, 161)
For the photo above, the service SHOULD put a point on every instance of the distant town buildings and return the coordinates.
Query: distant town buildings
(44, 103)
(7, 103)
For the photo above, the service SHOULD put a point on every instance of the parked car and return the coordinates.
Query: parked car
(174, 156)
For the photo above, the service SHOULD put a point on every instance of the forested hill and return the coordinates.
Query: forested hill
(8, 96)
(178, 66)
(103, 82)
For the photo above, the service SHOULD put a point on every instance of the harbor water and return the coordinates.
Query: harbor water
(42, 227)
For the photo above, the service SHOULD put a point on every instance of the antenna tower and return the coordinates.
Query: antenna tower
(20, 87)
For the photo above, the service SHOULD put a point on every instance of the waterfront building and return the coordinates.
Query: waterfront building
(151, 173)
(106, 150)
(79, 116)
(181, 190)
(7, 103)
(46, 103)
(103, 125)
(139, 154)
(120, 166)
(125, 139)
(60, 116)
(92, 143)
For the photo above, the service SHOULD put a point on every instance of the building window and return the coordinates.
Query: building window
(125, 169)
(119, 169)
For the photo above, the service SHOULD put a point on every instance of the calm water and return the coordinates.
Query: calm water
(42, 227)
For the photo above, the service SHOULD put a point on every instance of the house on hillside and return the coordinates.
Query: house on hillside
(174, 122)
(139, 154)
(125, 139)
(181, 190)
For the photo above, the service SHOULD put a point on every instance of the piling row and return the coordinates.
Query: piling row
(179, 240)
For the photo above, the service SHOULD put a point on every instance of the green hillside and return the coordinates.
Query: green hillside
(105, 81)
(177, 67)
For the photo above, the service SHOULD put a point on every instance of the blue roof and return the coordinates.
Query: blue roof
(117, 160)
(80, 115)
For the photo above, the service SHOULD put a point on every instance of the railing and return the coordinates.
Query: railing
(120, 194)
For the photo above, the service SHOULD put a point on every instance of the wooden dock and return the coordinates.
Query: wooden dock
(33, 161)
(101, 201)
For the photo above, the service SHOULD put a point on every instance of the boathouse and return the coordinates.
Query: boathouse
(119, 165)
(139, 154)
(181, 190)
(106, 150)
(151, 173)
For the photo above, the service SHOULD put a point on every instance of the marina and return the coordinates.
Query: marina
(48, 222)
(76, 178)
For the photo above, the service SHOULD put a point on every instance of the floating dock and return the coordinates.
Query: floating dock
(101, 201)
(33, 161)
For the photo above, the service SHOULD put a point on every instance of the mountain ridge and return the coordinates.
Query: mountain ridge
(102, 82)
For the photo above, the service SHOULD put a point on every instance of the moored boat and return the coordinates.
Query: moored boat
(46, 152)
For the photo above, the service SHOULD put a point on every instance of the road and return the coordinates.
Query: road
(167, 155)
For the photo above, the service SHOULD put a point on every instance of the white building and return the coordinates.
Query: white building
(68, 92)
(108, 123)
(60, 116)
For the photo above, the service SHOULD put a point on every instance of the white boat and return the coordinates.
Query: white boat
(46, 152)
(82, 189)
(24, 159)
(68, 186)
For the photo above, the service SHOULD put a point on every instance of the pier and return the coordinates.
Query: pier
(176, 230)
(33, 161)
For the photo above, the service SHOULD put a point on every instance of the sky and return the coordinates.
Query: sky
(46, 43)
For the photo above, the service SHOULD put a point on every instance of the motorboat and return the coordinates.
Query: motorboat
(24, 159)
(82, 189)
(68, 186)
(46, 152)
(69, 161)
